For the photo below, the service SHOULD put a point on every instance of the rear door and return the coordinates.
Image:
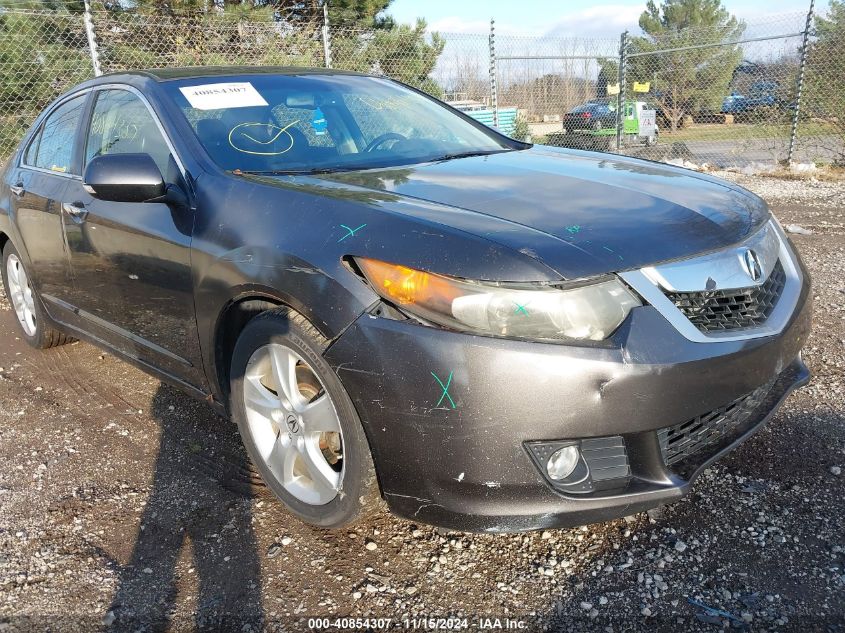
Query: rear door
(131, 261)
(46, 169)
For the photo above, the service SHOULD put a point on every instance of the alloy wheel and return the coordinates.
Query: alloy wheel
(21, 296)
(293, 424)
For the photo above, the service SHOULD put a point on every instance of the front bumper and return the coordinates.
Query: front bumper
(457, 456)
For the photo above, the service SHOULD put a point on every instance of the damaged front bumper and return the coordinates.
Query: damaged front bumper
(452, 419)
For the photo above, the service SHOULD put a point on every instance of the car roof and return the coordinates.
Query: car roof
(169, 74)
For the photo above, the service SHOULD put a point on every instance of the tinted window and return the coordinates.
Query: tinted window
(53, 147)
(32, 148)
(593, 108)
(122, 124)
(301, 123)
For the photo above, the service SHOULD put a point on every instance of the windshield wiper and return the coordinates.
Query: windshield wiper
(295, 172)
(331, 170)
(468, 154)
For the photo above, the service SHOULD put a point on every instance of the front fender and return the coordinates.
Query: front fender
(288, 239)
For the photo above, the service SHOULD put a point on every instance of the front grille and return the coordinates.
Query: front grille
(682, 440)
(723, 310)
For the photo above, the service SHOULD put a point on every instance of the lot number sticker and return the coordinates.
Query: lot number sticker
(220, 96)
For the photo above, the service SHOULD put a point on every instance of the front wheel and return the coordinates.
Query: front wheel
(298, 424)
(35, 325)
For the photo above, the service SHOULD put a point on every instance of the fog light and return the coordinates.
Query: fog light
(563, 462)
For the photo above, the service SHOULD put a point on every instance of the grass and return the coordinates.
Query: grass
(741, 132)
(745, 131)
(826, 173)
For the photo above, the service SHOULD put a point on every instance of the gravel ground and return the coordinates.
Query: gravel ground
(125, 505)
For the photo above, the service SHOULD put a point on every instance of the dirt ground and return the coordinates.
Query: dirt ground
(125, 505)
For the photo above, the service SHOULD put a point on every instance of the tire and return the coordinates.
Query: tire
(304, 438)
(36, 327)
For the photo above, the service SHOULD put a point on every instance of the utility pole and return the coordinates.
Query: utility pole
(92, 41)
(494, 93)
(805, 46)
(620, 97)
(327, 48)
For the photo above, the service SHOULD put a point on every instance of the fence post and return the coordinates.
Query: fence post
(92, 41)
(327, 46)
(494, 93)
(805, 45)
(620, 97)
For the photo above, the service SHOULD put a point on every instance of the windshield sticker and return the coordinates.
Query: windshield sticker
(221, 96)
(319, 122)
(261, 139)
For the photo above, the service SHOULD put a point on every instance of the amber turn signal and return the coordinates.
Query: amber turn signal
(405, 285)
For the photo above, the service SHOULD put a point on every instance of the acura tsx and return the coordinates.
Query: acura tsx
(397, 304)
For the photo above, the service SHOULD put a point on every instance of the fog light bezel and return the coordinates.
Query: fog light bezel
(581, 481)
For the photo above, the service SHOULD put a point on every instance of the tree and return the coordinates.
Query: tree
(692, 79)
(342, 13)
(825, 81)
(608, 75)
(149, 33)
(43, 51)
(403, 52)
(360, 13)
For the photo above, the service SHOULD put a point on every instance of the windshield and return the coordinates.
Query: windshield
(290, 123)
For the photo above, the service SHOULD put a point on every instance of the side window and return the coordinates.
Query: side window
(32, 148)
(122, 124)
(53, 147)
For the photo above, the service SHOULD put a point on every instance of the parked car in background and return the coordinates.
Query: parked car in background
(593, 116)
(592, 125)
(761, 94)
(393, 301)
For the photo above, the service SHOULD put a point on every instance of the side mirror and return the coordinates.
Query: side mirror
(124, 178)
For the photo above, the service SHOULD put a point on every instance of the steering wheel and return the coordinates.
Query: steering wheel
(383, 138)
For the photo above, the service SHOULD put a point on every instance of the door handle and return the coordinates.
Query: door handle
(75, 210)
(17, 189)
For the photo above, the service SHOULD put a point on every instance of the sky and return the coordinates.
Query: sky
(582, 18)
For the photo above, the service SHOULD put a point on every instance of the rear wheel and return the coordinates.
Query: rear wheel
(298, 424)
(35, 325)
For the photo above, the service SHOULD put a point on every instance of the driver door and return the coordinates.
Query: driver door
(131, 262)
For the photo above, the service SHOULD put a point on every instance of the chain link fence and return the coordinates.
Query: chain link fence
(746, 96)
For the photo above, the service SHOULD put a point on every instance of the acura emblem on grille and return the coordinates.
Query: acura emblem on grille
(752, 265)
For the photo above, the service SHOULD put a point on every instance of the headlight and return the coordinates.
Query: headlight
(532, 311)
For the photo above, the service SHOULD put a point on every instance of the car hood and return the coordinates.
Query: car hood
(580, 213)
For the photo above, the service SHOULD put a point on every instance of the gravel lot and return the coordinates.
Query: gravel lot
(126, 505)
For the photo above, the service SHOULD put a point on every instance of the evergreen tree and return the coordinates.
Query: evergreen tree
(694, 79)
